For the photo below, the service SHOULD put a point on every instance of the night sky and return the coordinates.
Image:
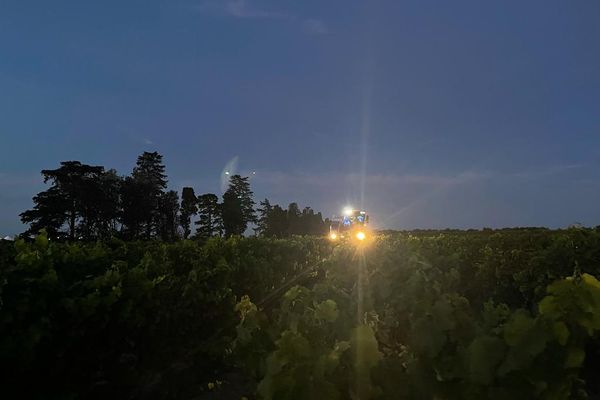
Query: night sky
(429, 114)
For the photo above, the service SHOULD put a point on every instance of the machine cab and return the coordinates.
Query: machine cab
(351, 224)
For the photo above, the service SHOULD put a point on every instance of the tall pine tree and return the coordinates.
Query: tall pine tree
(188, 209)
(101, 205)
(209, 221)
(168, 215)
(264, 213)
(142, 196)
(294, 219)
(238, 206)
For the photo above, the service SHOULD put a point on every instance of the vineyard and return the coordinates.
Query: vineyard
(492, 314)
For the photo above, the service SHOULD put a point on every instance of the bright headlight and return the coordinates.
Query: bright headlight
(332, 236)
(361, 236)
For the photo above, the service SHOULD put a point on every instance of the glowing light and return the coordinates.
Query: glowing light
(229, 170)
(347, 211)
(361, 236)
(332, 236)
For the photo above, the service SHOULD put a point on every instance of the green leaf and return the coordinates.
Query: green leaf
(550, 307)
(41, 240)
(518, 328)
(561, 332)
(327, 310)
(245, 307)
(292, 347)
(329, 362)
(366, 347)
(527, 338)
(591, 281)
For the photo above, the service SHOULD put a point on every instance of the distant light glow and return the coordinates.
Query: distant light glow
(229, 169)
(361, 236)
(347, 211)
(332, 236)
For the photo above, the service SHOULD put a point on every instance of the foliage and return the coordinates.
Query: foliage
(189, 208)
(96, 204)
(80, 196)
(274, 221)
(129, 319)
(237, 210)
(150, 181)
(168, 209)
(209, 221)
(446, 315)
(425, 331)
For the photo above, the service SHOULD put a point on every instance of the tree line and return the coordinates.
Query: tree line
(89, 202)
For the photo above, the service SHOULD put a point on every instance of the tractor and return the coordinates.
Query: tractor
(351, 225)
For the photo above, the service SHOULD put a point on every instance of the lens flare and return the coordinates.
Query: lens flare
(332, 236)
(228, 170)
(361, 236)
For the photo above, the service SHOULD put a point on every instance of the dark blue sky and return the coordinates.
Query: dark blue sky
(430, 113)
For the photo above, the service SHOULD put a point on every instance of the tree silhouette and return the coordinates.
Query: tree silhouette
(231, 213)
(188, 209)
(209, 216)
(142, 195)
(278, 222)
(49, 212)
(132, 216)
(168, 215)
(294, 219)
(274, 221)
(238, 206)
(312, 224)
(100, 205)
(68, 200)
(92, 203)
(110, 207)
(262, 223)
(319, 227)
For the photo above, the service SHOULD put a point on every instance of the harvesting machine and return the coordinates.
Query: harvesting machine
(353, 224)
